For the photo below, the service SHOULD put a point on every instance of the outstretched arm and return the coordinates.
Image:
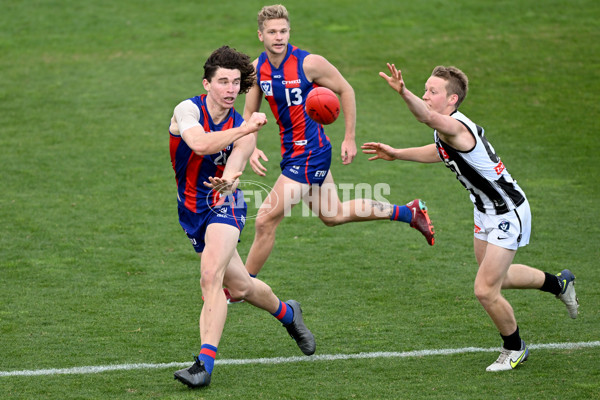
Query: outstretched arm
(450, 130)
(381, 151)
(416, 105)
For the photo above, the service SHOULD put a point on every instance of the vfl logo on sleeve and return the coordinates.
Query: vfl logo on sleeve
(267, 87)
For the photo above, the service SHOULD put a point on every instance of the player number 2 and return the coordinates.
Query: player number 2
(221, 159)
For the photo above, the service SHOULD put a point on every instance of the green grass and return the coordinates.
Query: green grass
(95, 270)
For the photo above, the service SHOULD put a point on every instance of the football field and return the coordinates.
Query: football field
(99, 286)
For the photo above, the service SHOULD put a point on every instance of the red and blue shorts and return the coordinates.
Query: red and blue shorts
(231, 212)
(310, 170)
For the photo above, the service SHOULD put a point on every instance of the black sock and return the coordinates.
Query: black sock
(513, 341)
(551, 284)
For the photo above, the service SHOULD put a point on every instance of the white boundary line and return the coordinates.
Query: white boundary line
(283, 360)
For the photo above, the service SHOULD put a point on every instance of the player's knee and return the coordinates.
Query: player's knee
(484, 294)
(331, 220)
(240, 290)
(209, 279)
(264, 226)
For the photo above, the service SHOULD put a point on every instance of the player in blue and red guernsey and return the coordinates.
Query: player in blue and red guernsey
(285, 77)
(210, 144)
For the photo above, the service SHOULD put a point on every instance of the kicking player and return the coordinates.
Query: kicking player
(502, 214)
(210, 144)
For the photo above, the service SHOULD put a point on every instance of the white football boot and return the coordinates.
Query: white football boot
(509, 359)
(567, 294)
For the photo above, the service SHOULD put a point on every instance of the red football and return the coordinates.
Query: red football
(322, 105)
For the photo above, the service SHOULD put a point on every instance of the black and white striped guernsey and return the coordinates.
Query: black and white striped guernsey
(481, 172)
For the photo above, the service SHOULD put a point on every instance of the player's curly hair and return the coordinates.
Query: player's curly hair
(276, 11)
(457, 81)
(228, 58)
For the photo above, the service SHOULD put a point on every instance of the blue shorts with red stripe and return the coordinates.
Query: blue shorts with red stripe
(231, 212)
(310, 170)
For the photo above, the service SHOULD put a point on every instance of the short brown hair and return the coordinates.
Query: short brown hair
(456, 81)
(276, 11)
(228, 58)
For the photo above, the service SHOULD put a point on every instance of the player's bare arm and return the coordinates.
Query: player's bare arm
(433, 109)
(253, 98)
(174, 128)
(323, 73)
(381, 151)
(252, 103)
(186, 117)
(242, 149)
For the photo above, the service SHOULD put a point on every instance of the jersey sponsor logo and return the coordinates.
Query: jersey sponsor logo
(499, 168)
(294, 169)
(477, 229)
(443, 153)
(294, 83)
(300, 142)
(504, 226)
(321, 173)
(267, 87)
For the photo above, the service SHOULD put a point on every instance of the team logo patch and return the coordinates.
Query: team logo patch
(443, 154)
(267, 87)
(499, 168)
(504, 226)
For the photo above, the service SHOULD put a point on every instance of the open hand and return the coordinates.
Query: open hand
(395, 81)
(380, 150)
(225, 186)
(257, 167)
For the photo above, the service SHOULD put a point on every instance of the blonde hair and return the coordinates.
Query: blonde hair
(277, 11)
(456, 81)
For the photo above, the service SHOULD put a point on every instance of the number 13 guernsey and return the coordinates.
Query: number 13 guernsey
(286, 88)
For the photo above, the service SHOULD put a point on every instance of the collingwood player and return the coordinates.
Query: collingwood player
(501, 210)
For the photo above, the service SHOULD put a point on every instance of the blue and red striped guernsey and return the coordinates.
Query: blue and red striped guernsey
(285, 89)
(191, 169)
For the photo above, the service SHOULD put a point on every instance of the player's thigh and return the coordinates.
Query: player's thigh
(494, 266)
(221, 242)
(324, 198)
(284, 195)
